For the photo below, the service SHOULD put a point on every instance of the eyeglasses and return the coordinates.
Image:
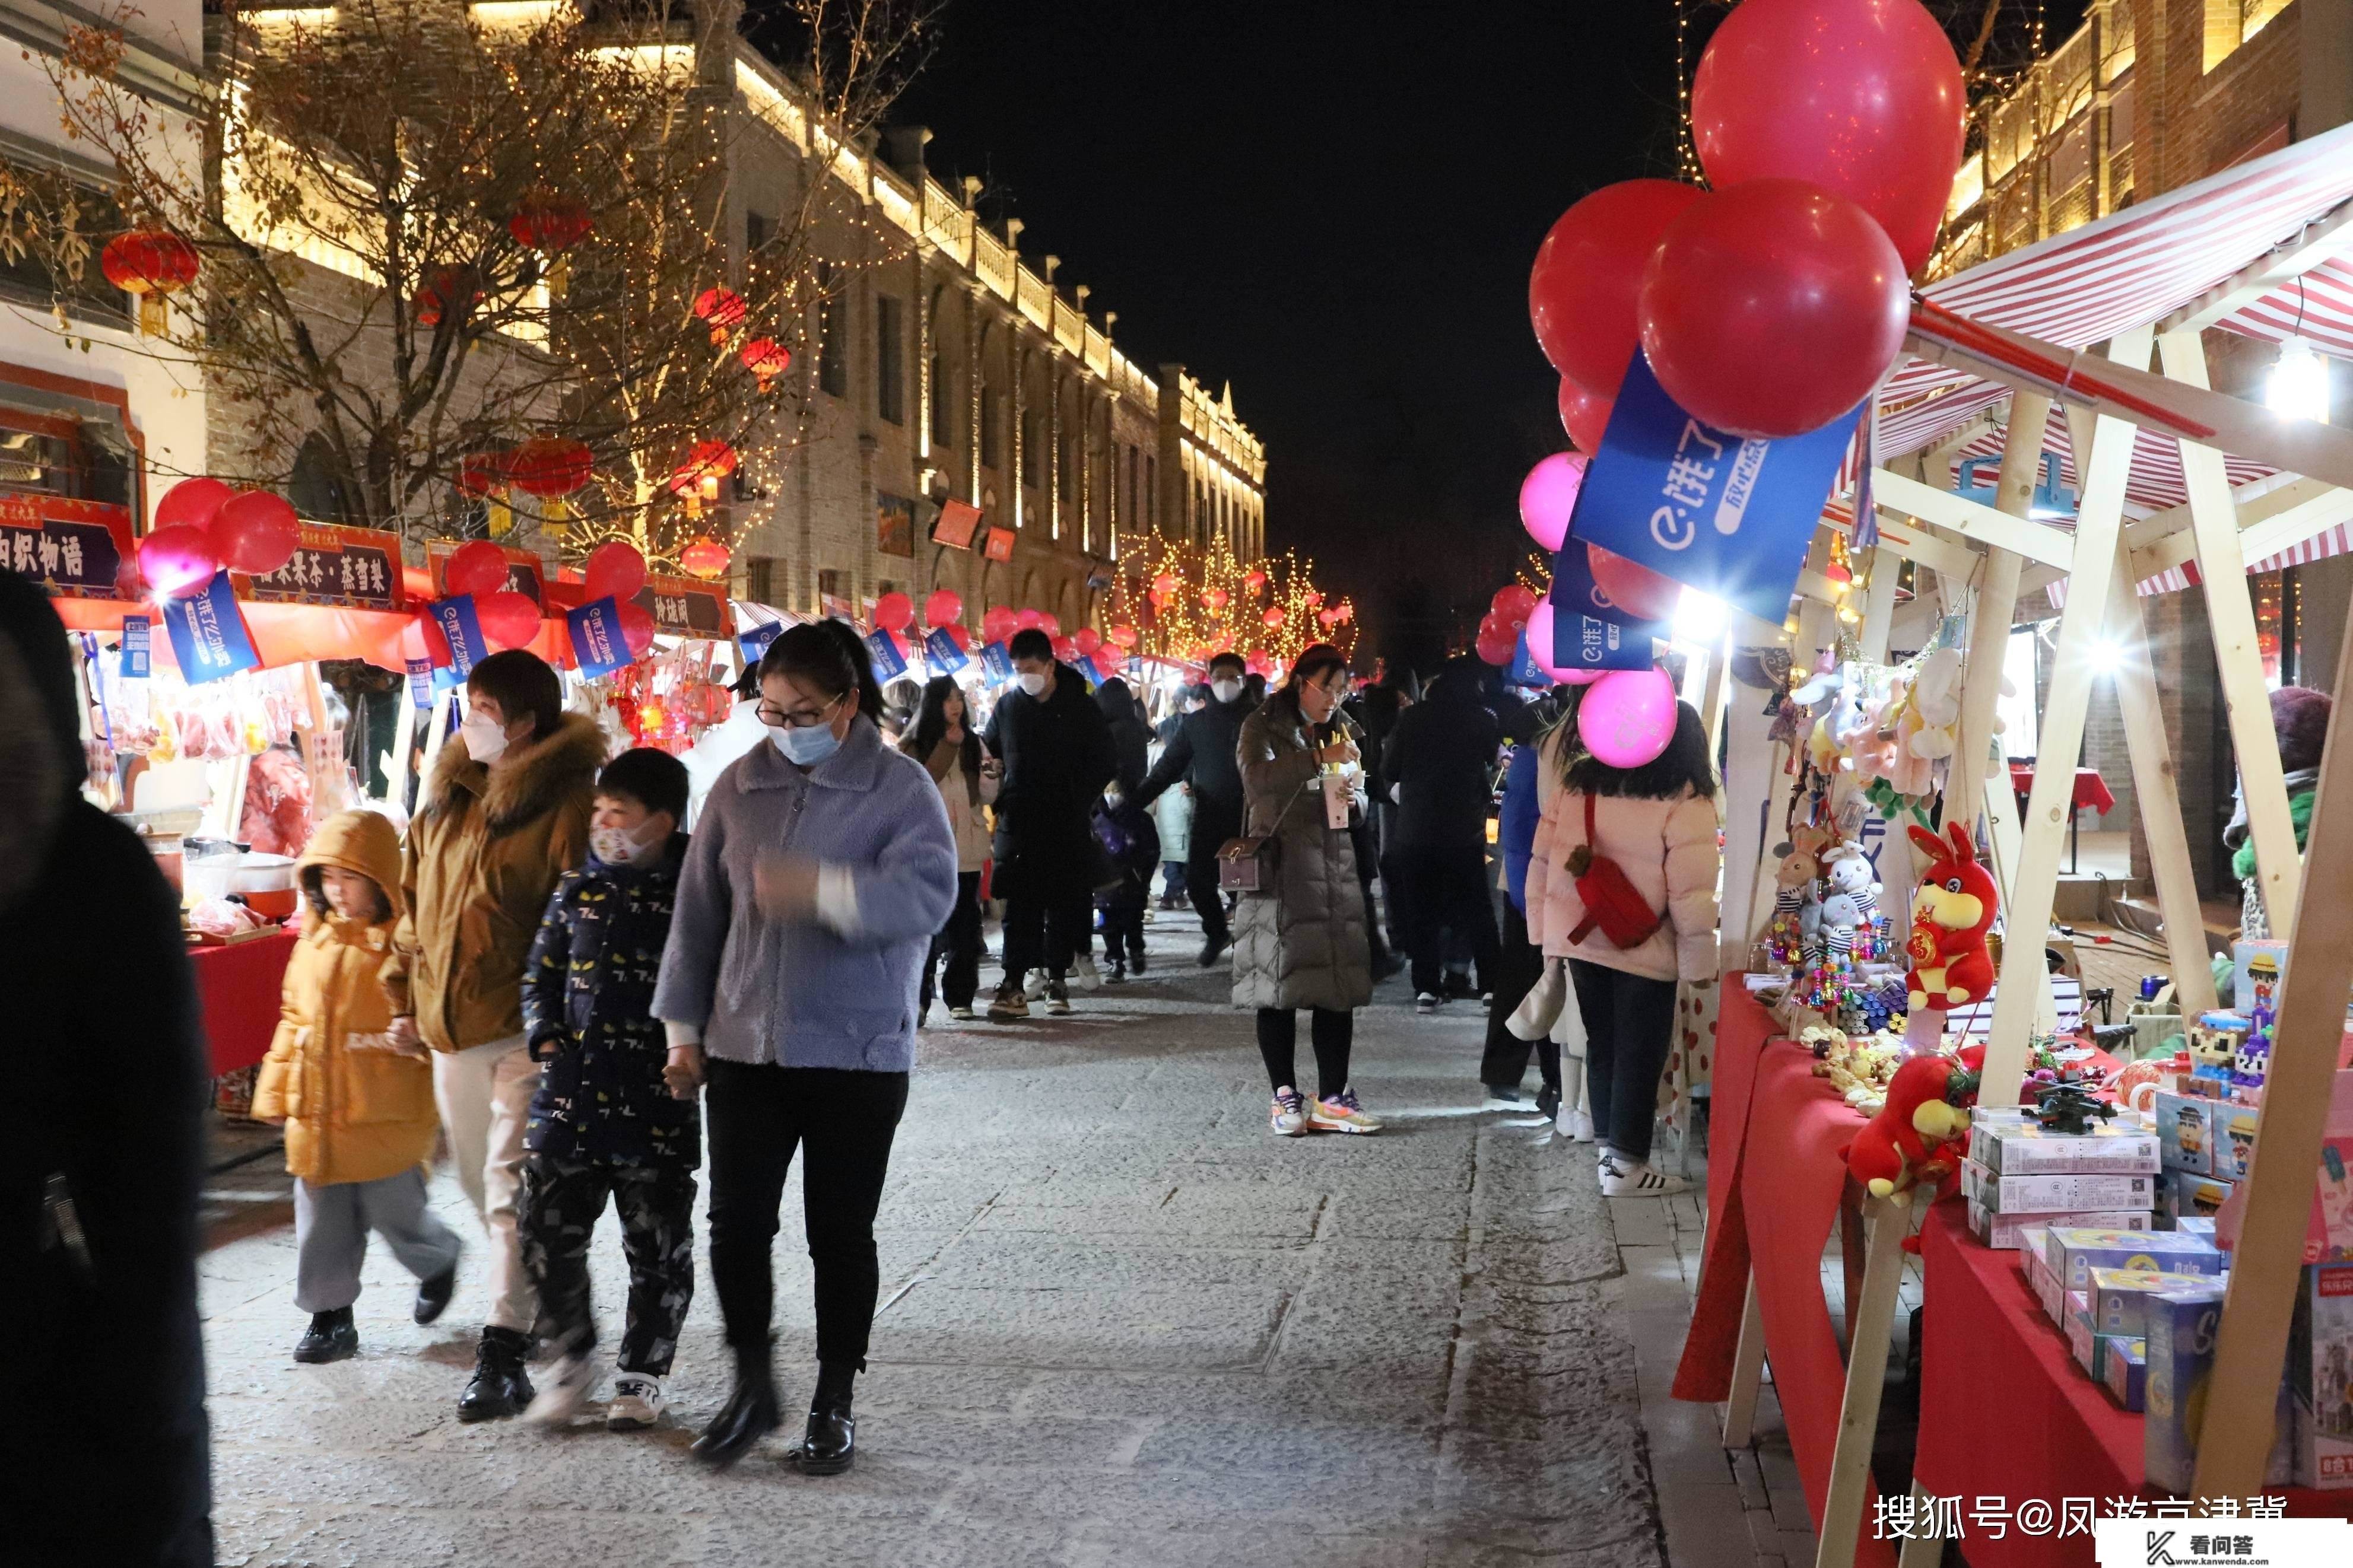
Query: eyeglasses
(776, 718)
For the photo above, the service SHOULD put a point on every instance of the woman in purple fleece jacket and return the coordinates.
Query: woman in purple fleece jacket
(819, 869)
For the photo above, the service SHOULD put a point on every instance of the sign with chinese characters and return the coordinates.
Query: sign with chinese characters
(955, 524)
(940, 651)
(687, 607)
(890, 664)
(208, 633)
(755, 643)
(1085, 666)
(75, 548)
(1729, 516)
(894, 525)
(1000, 544)
(358, 568)
(526, 573)
(135, 664)
(463, 631)
(598, 642)
(1575, 593)
(996, 664)
(1581, 642)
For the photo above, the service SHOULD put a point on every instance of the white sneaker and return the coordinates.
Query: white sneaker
(1084, 970)
(636, 1402)
(1289, 1117)
(1035, 985)
(1575, 1125)
(1425, 1003)
(1622, 1179)
(565, 1390)
(961, 1015)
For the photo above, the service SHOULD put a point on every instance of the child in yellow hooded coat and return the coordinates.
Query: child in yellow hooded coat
(358, 1112)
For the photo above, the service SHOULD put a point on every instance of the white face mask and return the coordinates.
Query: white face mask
(618, 847)
(1035, 685)
(1225, 690)
(485, 737)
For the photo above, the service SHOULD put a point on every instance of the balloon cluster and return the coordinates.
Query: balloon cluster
(1771, 304)
(203, 525)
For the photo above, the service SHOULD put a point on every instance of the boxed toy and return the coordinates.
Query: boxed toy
(2329, 1232)
(2083, 1342)
(2199, 1226)
(2028, 1149)
(2181, 1138)
(2231, 1138)
(2046, 1287)
(2058, 1193)
(2183, 1196)
(2254, 985)
(2072, 1254)
(2126, 1369)
(2120, 1298)
(2020, 1232)
(2320, 1372)
(2181, 1355)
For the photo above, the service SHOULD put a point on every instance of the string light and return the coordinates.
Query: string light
(1687, 145)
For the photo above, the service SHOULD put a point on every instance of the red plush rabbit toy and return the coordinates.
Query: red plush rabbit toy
(1919, 1135)
(1951, 914)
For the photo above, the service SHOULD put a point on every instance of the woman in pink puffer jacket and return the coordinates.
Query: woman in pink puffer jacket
(1659, 823)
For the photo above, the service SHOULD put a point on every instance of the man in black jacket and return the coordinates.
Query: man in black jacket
(1204, 755)
(1440, 764)
(1057, 751)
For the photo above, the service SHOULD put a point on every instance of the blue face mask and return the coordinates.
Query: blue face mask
(807, 747)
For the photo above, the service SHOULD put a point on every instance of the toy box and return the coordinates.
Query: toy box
(2045, 1284)
(2185, 1197)
(2328, 1233)
(2020, 1232)
(2248, 988)
(2126, 1370)
(2182, 1136)
(2201, 1226)
(2072, 1254)
(2083, 1342)
(2231, 1138)
(2028, 1149)
(2120, 1298)
(2055, 1193)
(2320, 1373)
(2181, 1355)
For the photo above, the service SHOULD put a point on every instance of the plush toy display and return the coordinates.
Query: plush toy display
(1950, 916)
(1848, 872)
(1917, 1137)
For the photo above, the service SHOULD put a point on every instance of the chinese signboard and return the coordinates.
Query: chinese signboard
(463, 630)
(355, 567)
(957, 523)
(598, 640)
(1000, 544)
(75, 548)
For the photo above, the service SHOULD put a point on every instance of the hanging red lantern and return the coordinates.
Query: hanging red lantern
(766, 359)
(1214, 597)
(1274, 616)
(550, 468)
(448, 284)
(696, 480)
(1254, 580)
(722, 308)
(551, 224)
(1123, 635)
(479, 473)
(1346, 611)
(155, 265)
(705, 557)
(1327, 617)
(1165, 583)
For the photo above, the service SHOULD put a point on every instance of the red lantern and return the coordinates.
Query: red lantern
(723, 309)
(696, 479)
(1254, 580)
(508, 620)
(550, 466)
(1165, 583)
(766, 359)
(478, 568)
(254, 532)
(1274, 616)
(1328, 618)
(705, 557)
(1214, 597)
(447, 284)
(155, 265)
(616, 570)
(944, 606)
(1123, 635)
(548, 223)
(479, 473)
(1346, 611)
(894, 612)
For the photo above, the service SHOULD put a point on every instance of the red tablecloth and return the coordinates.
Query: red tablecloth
(2091, 789)
(237, 988)
(2051, 1433)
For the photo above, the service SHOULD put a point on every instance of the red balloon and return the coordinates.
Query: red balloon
(636, 630)
(617, 570)
(1632, 587)
(1066, 650)
(894, 612)
(944, 606)
(1514, 603)
(999, 624)
(191, 502)
(1123, 635)
(1862, 98)
(478, 568)
(254, 532)
(1049, 623)
(508, 620)
(959, 636)
(1584, 415)
(436, 645)
(1497, 645)
(1588, 271)
(1087, 639)
(177, 559)
(1773, 307)
(1027, 620)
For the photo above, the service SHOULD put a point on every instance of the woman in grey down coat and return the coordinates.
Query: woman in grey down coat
(1302, 943)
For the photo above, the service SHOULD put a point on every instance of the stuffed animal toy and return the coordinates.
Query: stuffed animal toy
(1950, 916)
(1936, 704)
(1917, 1138)
(1848, 872)
(1840, 917)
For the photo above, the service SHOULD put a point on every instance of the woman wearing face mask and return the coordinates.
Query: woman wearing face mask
(1302, 943)
(949, 749)
(821, 866)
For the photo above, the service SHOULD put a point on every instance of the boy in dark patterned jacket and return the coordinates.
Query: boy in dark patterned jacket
(604, 1122)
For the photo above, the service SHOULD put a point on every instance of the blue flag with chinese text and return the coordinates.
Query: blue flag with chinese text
(462, 630)
(890, 664)
(1728, 515)
(940, 651)
(996, 664)
(598, 640)
(208, 633)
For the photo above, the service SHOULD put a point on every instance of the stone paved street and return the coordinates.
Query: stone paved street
(1121, 1324)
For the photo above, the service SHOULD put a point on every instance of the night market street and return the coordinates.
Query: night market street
(1121, 1324)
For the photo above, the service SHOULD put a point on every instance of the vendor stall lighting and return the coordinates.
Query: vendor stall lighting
(2298, 385)
(2107, 657)
(1699, 618)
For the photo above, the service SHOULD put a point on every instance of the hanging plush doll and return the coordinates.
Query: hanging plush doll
(1950, 916)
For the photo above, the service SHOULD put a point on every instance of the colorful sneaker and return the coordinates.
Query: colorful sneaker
(1634, 1179)
(1341, 1113)
(1288, 1119)
(637, 1403)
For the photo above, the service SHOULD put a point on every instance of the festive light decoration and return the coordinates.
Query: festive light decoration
(705, 557)
(447, 285)
(552, 223)
(1185, 603)
(155, 265)
(696, 480)
(724, 309)
(766, 359)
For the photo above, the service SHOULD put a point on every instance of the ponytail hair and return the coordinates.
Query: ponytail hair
(830, 657)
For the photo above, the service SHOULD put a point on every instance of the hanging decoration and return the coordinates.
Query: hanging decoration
(548, 469)
(696, 480)
(722, 310)
(1186, 603)
(155, 265)
(552, 223)
(766, 359)
(705, 557)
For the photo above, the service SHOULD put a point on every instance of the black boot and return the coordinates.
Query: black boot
(500, 1387)
(749, 1415)
(433, 1295)
(329, 1337)
(830, 1443)
(1135, 956)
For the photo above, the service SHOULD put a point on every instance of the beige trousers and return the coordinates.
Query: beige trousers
(484, 1094)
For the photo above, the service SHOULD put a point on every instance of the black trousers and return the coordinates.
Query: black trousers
(958, 942)
(1044, 933)
(1629, 1022)
(843, 1120)
(557, 1217)
(1517, 969)
(1214, 822)
(1360, 838)
(1437, 889)
(1122, 924)
(1331, 1032)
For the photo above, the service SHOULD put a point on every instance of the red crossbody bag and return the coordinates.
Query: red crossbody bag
(1611, 900)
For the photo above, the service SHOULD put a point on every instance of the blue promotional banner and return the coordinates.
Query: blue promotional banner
(755, 643)
(420, 684)
(1729, 516)
(463, 631)
(1575, 593)
(209, 634)
(1581, 642)
(890, 664)
(940, 651)
(1085, 665)
(996, 664)
(598, 640)
(135, 664)
(1522, 670)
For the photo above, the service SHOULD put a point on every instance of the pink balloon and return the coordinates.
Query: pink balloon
(478, 568)
(191, 502)
(945, 604)
(1862, 98)
(1584, 416)
(617, 570)
(1772, 307)
(1550, 494)
(1539, 629)
(1029, 620)
(176, 558)
(1628, 717)
(1581, 291)
(254, 532)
